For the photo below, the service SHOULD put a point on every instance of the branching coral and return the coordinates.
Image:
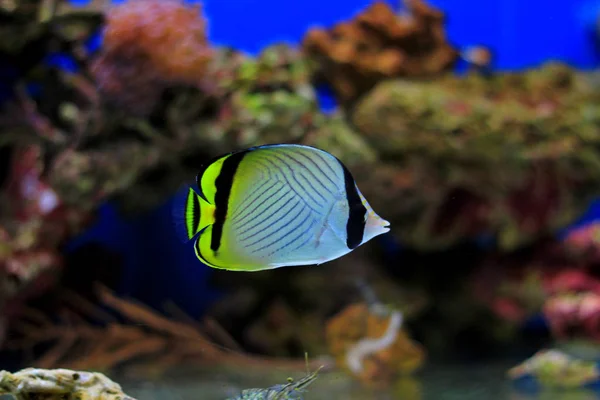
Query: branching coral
(145, 336)
(353, 56)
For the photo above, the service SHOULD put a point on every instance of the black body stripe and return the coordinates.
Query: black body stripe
(355, 227)
(223, 184)
(203, 169)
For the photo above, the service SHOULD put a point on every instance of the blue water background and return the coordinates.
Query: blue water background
(522, 34)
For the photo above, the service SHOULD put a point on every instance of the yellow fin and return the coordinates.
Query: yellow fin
(191, 213)
(206, 179)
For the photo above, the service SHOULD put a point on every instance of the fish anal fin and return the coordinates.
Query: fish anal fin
(190, 213)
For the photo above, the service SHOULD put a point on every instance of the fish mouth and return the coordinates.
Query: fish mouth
(385, 226)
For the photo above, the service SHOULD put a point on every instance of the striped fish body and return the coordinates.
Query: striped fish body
(273, 206)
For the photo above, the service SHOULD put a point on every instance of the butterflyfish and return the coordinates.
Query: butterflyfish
(273, 206)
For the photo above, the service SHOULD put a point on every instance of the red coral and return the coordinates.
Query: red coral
(171, 34)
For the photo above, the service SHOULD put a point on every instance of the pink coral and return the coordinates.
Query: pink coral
(550, 278)
(574, 280)
(574, 315)
(170, 33)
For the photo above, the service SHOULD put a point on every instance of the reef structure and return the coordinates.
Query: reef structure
(379, 44)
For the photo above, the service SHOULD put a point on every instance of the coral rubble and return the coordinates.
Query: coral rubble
(378, 44)
(59, 384)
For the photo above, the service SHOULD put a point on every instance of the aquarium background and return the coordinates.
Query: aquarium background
(522, 35)
(501, 273)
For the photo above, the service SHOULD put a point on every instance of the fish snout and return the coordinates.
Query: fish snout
(375, 225)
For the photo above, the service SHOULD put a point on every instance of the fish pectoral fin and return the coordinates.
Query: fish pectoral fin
(326, 225)
(321, 232)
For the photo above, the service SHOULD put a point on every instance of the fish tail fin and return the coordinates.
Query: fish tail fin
(190, 214)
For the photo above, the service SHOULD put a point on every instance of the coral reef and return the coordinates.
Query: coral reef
(378, 44)
(33, 225)
(448, 161)
(135, 120)
(512, 157)
(556, 279)
(59, 384)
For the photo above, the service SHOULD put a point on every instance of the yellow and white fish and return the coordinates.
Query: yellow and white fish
(273, 206)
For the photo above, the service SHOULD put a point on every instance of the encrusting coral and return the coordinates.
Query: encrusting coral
(511, 157)
(379, 44)
(59, 384)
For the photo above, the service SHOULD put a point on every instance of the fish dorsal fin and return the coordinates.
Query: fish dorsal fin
(206, 178)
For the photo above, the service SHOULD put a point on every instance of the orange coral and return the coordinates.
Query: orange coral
(171, 34)
(378, 44)
(358, 322)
